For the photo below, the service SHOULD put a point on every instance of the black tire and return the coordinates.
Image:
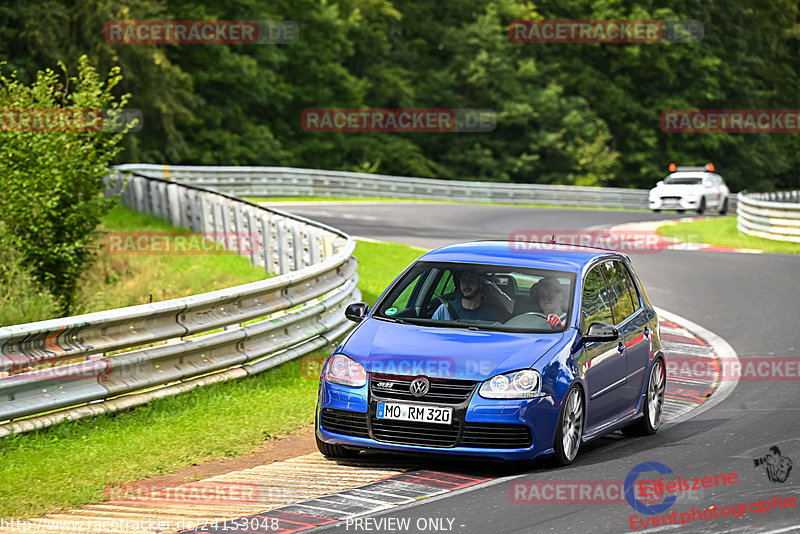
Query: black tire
(651, 421)
(702, 207)
(565, 455)
(724, 209)
(656, 211)
(330, 450)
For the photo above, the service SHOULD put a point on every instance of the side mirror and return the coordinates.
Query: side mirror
(600, 331)
(356, 311)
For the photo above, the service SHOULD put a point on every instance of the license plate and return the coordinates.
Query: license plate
(413, 412)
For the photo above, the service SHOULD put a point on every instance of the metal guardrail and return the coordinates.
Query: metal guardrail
(99, 362)
(773, 216)
(286, 181)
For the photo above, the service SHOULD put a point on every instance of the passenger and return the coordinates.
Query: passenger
(551, 300)
(472, 305)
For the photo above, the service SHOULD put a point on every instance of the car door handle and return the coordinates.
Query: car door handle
(621, 347)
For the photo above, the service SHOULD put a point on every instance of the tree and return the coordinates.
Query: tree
(55, 152)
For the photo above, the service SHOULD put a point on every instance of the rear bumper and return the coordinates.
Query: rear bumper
(474, 420)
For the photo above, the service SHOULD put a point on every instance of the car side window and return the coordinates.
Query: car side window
(625, 299)
(401, 302)
(595, 305)
(446, 283)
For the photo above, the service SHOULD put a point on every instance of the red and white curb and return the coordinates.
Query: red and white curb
(670, 243)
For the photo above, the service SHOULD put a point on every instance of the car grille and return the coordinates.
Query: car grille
(496, 436)
(441, 391)
(413, 433)
(671, 199)
(478, 435)
(345, 422)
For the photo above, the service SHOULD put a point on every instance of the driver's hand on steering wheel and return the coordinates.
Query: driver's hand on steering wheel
(554, 321)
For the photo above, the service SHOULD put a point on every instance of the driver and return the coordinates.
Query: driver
(551, 300)
(471, 305)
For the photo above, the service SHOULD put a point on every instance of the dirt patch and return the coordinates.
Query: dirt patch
(297, 443)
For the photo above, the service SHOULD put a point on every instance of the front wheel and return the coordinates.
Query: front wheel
(570, 427)
(653, 403)
(702, 207)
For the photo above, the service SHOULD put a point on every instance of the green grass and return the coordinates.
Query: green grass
(68, 465)
(115, 280)
(722, 231)
(429, 201)
(379, 264)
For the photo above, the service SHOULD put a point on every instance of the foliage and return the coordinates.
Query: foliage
(583, 114)
(52, 175)
(22, 299)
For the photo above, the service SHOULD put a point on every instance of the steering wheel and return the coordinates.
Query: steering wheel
(453, 315)
(543, 316)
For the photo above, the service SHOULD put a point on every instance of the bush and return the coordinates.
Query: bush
(22, 298)
(52, 176)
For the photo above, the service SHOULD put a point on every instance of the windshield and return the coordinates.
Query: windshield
(682, 180)
(480, 297)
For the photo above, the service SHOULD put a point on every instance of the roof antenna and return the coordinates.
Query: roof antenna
(551, 240)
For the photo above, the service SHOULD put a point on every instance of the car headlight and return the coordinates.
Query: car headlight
(517, 385)
(345, 371)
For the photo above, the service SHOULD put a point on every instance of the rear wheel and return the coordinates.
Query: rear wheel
(570, 427)
(724, 209)
(653, 403)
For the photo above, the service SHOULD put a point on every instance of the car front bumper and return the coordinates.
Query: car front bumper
(481, 427)
(672, 203)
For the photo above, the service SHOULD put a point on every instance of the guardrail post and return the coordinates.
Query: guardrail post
(266, 242)
(283, 247)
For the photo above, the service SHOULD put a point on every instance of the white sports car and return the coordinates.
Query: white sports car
(690, 188)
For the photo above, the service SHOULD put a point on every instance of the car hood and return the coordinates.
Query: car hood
(677, 190)
(403, 349)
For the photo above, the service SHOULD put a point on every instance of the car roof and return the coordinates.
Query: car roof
(692, 174)
(533, 255)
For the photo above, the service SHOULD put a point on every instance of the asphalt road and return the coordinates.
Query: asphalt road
(751, 301)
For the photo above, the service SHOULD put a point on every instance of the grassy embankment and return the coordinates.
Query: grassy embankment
(722, 231)
(68, 465)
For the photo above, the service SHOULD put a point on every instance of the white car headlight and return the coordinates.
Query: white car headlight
(346, 371)
(516, 385)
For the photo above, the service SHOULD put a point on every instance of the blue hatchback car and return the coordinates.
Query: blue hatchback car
(499, 349)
